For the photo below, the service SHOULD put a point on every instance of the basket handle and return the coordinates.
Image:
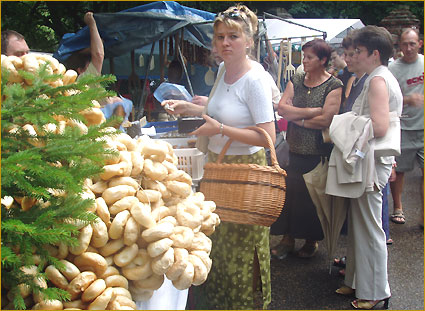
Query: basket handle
(269, 143)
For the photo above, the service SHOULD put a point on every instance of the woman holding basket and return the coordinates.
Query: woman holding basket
(242, 98)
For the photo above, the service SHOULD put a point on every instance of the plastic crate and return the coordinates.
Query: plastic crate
(192, 161)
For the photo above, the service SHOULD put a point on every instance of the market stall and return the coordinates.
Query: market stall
(141, 42)
(287, 35)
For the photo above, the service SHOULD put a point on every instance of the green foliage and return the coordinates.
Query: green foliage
(49, 167)
(43, 23)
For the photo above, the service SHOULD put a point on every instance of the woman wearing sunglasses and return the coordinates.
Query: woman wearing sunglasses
(366, 274)
(242, 98)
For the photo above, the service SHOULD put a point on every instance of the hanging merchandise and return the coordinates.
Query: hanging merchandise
(209, 77)
(290, 69)
(152, 64)
(279, 74)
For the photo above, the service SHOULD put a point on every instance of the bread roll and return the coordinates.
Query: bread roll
(100, 234)
(162, 263)
(95, 289)
(182, 237)
(101, 302)
(142, 214)
(116, 281)
(111, 247)
(200, 270)
(123, 204)
(118, 224)
(153, 282)
(159, 231)
(80, 283)
(131, 231)
(89, 261)
(186, 278)
(181, 258)
(83, 241)
(70, 271)
(56, 277)
(126, 255)
(159, 247)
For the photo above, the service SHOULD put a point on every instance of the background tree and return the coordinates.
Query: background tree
(43, 23)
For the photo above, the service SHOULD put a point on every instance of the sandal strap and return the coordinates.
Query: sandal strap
(398, 214)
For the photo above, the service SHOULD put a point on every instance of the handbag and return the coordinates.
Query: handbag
(389, 145)
(281, 147)
(202, 141)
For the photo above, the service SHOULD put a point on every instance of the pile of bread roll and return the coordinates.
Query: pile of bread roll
(32, 63)
(151, 224)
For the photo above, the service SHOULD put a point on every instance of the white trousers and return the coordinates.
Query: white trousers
(367, 256)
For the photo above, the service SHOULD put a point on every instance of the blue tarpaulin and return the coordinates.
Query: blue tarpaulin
(139, 26)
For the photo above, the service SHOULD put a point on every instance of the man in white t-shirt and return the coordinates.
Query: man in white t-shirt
(409, 72)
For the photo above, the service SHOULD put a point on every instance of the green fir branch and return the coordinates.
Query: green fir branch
(32, 167)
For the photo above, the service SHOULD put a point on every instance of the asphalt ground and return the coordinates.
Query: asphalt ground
(305, 284)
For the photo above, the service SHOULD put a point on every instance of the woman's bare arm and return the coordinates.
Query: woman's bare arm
(330, 108)
(291, 113)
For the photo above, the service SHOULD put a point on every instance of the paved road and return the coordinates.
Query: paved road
(306, 283)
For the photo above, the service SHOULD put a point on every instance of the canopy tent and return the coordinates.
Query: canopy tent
(332, 30)
(123, 33)
(133, 28)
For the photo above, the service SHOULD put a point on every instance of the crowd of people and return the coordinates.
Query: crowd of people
(365, 83)
(358, 81)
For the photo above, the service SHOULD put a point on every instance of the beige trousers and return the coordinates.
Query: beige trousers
(366, 269)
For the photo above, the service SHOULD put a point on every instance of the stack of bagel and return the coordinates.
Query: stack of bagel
(151, 225)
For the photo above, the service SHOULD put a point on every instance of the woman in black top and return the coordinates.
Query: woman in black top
(309, 102)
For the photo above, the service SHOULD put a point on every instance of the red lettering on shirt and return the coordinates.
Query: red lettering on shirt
(416, 80)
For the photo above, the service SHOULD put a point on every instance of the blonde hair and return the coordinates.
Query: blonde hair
(247, 23)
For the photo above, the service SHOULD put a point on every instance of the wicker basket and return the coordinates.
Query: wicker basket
(245, 193)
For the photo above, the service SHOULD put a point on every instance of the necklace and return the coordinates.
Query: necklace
(357, 80)
(309, 91)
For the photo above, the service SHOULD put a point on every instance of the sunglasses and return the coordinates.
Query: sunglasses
(235, 15)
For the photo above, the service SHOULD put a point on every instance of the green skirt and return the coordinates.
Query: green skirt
(230, 281)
